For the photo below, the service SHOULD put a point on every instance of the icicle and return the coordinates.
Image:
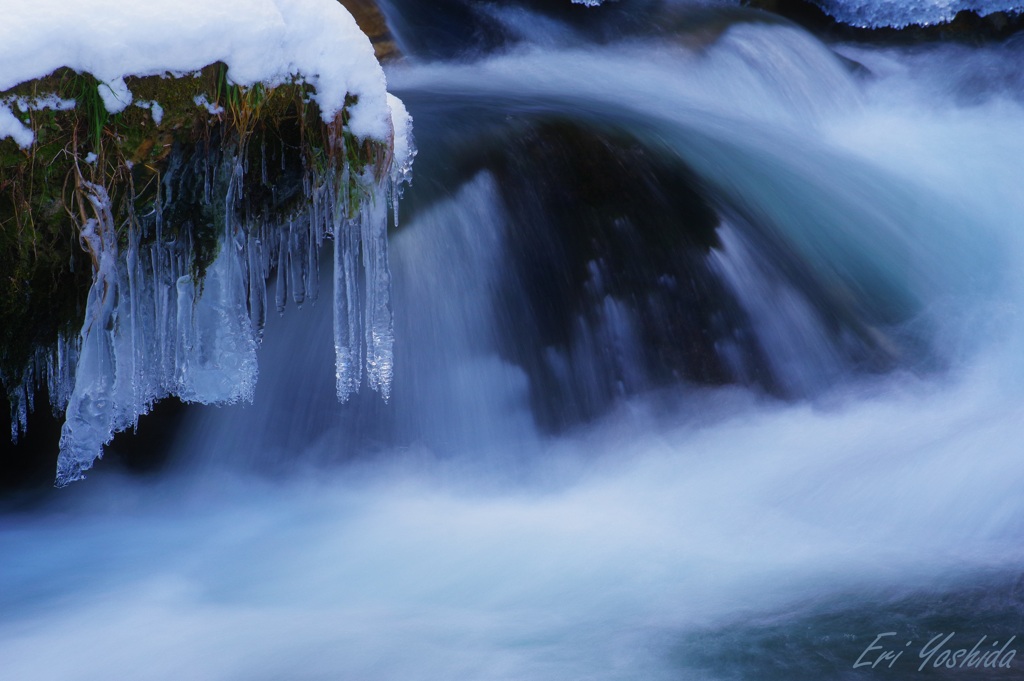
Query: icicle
(281, 294)
(404, 152)
(185, 336)
(67, 362)
(19, 412)
(347, 346)
(30, 383)
(393, 196)
(90, 412)
(313, 252)
(219, 362)
(373, 222)
(143, 390)
(257, 287)
(163, 277)
(298, 260)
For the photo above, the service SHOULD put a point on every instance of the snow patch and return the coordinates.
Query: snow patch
(115, 95)
(155, 109)
(11, 127)
(261, 41)
(404, 148)
(26, 104)
(214, 109)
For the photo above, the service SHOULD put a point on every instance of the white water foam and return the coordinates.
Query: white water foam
(677, 512)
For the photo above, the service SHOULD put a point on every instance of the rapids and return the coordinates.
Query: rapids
(568, 481)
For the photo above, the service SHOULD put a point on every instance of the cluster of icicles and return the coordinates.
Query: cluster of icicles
(153, 330)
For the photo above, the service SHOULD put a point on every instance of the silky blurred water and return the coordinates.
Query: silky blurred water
(690, 532)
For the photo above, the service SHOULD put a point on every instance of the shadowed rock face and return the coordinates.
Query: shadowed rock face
(609, 271)
(612, 280)
(447, 29)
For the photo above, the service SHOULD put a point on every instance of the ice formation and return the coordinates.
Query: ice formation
(369, 330)
(153, 327)
(148, 334)
(885, 13)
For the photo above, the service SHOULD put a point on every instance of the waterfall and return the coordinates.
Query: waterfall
(705, 365)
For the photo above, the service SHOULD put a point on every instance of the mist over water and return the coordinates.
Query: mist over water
(865, 474)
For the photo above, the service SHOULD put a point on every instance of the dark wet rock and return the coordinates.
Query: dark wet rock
(608, 276)
(442, 29)
(371, 21)
(28, 464)
(966, 27)
(610, 283)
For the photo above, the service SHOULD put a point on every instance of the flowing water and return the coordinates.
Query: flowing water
(706, 367)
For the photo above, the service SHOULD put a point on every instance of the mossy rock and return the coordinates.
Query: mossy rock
(277, 131)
